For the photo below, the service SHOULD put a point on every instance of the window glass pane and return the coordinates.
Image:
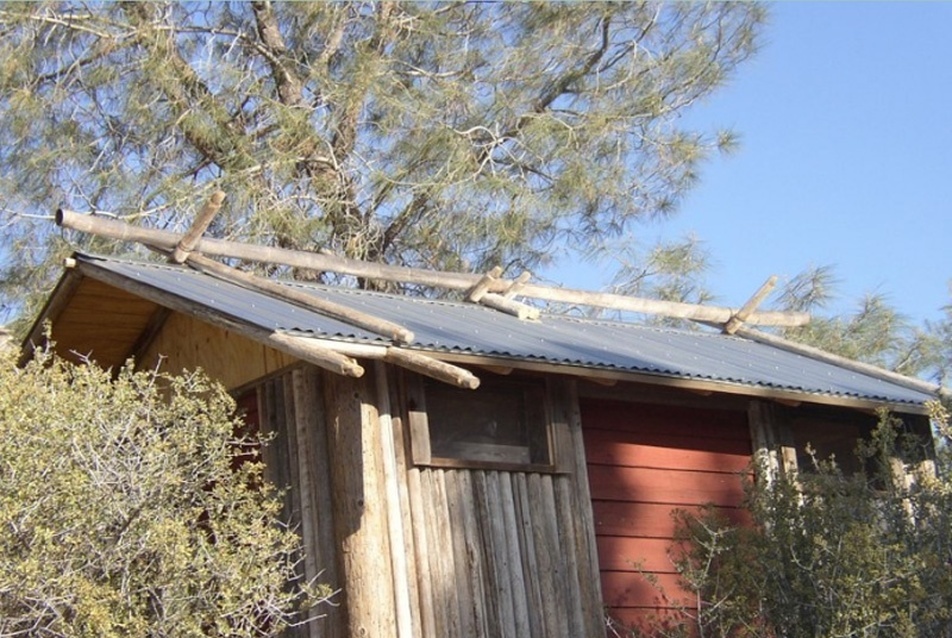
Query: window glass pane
(501, 422)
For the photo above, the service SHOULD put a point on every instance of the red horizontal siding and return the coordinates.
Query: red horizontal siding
(644, 462)
(671, 485)
(647, 520)
(666, 450)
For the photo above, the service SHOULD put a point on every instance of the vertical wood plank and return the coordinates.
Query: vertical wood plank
(489, 508)
(461, 564)
(584, 530)
(421, 551)
(436, 552)
(483, 603)
(529, 563)
(566, 508)
(518, 585)
(404, 479)
(317, 506)
(445, 551)
(545, 528)
(398, 555)
(277, 454)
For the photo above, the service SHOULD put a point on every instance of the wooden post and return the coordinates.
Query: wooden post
(359, 504)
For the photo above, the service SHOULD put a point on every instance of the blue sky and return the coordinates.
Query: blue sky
(845, 120)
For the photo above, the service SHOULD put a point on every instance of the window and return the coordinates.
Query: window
(504, 424)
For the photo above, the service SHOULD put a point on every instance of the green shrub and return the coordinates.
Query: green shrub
(827, 555)
(124, 510)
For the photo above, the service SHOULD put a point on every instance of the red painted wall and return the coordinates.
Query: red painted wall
(644, 461)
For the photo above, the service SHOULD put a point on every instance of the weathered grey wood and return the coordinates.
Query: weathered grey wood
(455, 281)
(398, 555)
(517, 285)
(360, 520)
(401, 454)
(566, 508)
(510, 306)
(519, 598)
(277, 455)
(483, 285)
(475, 567)
(190, 239)
(772, 439)
(441, 583)
(549, 554)
(421, 550)
(445, 550)
(585, 548)
(528, 551)
(489, 507)
(465, 600)
(317, 528)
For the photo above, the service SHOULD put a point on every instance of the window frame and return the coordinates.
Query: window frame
(554, 429)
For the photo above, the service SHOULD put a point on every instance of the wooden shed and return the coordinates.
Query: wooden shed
(530, 505)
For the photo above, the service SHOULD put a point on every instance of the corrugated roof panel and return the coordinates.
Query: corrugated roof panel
(470, 328)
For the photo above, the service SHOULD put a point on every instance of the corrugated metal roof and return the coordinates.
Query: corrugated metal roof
(452, 327)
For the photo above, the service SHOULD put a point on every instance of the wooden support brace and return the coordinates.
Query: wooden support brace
(517, 285)
(510, 307)
(302, 348)
(739, 317)
(428, 366)
(483, 285)
(337, 311)
(190, 239)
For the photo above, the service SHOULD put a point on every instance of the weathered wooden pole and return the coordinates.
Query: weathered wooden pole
(359, 506)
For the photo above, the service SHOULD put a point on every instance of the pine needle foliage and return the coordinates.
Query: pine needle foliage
(443, 135)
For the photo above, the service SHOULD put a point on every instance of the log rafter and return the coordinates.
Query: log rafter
(439, 279)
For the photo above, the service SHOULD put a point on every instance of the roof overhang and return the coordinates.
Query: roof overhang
(113, 314)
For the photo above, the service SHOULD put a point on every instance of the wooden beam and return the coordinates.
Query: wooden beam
(517, 285)
(509, 306)
(483, 285)
(311, 302)
(190, 239)
(304, 348)
(739, 317)
(453, 281)
(439, 370)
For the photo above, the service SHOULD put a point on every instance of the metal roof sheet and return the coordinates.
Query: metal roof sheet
(465, 328)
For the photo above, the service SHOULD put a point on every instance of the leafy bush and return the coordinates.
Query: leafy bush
(828, 554)
(130, 507)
